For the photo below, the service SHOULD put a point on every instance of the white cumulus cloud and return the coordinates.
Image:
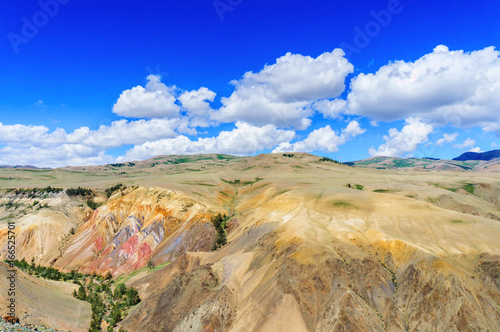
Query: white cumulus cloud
(197, 105)
(155, 100)
(447, 138)
(36, 145)
(468, 143)
(243, 140)
(405, 141)
(54, 156)
(330, 108)
(280, 93)
(323, 139)
(457, 87)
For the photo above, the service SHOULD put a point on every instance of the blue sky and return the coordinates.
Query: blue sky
(90, 82)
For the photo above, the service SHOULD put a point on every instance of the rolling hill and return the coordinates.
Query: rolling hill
(490, 165)
(312, 245)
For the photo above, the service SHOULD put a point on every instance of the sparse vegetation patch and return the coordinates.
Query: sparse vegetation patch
(469, 187)
(343, 204)
(385, 191)
(244, 183)
(442, 187)
(355, 186)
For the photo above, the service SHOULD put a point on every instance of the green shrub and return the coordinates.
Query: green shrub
(93, 205)
(79, 192)
(219, 223)
(469, 187)
(109, 191)
(333, 161)
(132, 296)
(382, 191)
(119, 291)
(37, 192)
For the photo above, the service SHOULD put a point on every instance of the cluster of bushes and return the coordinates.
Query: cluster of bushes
(36, 204)
(289, 155)
(109, 191)
(98, 310)
(105, 304)
(333, 161)
(46, 272)
(355, 186)
(219, 222)
(93, 205)
(79, 191)
(10, 204)
(129, 296)
(89, 193)
(36, 192)
(130, 164)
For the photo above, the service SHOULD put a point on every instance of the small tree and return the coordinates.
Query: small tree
(108, 276)
(133, 296)
(119, 291)
(82, 294)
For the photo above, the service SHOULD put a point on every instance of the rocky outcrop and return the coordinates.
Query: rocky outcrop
(143, 225)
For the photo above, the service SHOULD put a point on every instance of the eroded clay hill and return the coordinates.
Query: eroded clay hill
(142, 225)
(312, 245)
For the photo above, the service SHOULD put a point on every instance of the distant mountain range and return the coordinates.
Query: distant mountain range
(479, 155)
(470, 161)
(19, 166)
